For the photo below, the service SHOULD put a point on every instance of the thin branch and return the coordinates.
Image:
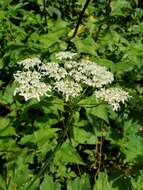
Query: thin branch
(100, 157)
(49, 160)
(80, 17)
(78, 22)
(108, 7)
(45, 13)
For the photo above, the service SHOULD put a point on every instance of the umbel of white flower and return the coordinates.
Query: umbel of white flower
(30, 62)
(65, 55)
(53, 70)
(68, 88)
(30, 85)
(68, 77)
(113, 96)
(91, 74)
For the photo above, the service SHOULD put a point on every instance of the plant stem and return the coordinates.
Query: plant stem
(78, 22)
(58, 146)
(108, 7)
(44, 13)
(99, 154)
(80, 17)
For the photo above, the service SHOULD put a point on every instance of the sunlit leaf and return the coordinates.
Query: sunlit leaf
(48, 183)
(80, 183)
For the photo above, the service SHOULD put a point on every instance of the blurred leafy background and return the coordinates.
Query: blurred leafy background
(105, 149)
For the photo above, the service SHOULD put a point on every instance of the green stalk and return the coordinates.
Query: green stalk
(45, 13)
(79, 21)
(58, 146)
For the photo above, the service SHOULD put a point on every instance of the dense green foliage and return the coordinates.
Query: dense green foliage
(54, 145)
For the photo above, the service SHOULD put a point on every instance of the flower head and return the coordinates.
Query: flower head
(68, 88)
(30, 85)
(68, 77)
(65, 55)
(30, 62)
(91, 74)
(113, 96)
(53, 70)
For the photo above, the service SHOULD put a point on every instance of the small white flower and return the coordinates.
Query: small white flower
(30, 85)
(64, 55)
(69, 64)
(113, 96)
(77, 76)
(68, 88)
(91, 74)
(30, 62)
(53, 70)
(24, 76)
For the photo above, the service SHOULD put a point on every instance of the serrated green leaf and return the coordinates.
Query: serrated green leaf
(102, 183)
(137, 183)
(79, 183)
(84, 137)
(49, 184)
(2, 183)
(48, 40)
(68, 154)
(88, 101)
(39, 137)
(117, 7)
(87, 45)
(18, 173)
(131, 143)
(5, 128)
(8, 94)
(99, 111)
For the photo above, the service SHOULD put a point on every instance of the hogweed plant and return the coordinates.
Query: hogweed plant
(71, 79)
(65, 122)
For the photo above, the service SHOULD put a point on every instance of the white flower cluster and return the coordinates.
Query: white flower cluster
(30, 85)
(53, 70)
(67, 77)
(113, 96)
(30, 62)
(68, 88)
(91, 74)
(64, 55)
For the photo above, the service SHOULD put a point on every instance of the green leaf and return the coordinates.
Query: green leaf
(84, 137)
(22, 173)
(88, 102)
(106, 63)
(48, 183)
(2, 183)
(79, 183)
(68, 154)
(40, 137)
(102, 183)
(99, 111)
(5, 128)
(18, 173)
(47, 40)
(137, 183)
(8, 94)
(117, 7)
(87, 45)
(1, 63)
(131, 144)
